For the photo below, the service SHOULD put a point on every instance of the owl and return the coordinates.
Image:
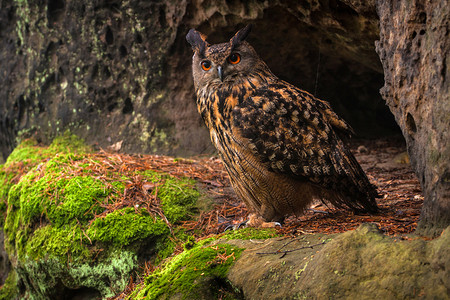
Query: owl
(280, 145)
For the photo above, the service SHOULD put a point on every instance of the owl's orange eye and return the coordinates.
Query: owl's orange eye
(206, 65)
(234, 58)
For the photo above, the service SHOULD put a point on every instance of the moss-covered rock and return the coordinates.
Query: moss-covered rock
(69, 228)
(125, 226)
(9, 289)
(201, 270)
(28, 155)
(198, 273)
(178, 195)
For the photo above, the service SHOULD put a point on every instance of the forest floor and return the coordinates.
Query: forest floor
(385, 162)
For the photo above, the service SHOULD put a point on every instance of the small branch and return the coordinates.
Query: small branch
(291, 250)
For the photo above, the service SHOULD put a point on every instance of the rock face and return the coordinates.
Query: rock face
(116, 71)
(414, 48)
(96, 68)
(359, 264)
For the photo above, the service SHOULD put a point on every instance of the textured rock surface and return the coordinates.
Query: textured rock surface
(360, 264)
(116, 71)
(94, 67)
(414, 48)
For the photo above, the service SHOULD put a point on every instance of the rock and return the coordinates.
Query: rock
(414, 48)
(5, 265)
(359, 264)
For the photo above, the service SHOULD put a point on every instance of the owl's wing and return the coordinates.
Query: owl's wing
(294, 133)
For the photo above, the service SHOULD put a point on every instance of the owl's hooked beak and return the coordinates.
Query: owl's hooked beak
(220, 72)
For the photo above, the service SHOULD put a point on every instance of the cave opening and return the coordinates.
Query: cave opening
(338, 65)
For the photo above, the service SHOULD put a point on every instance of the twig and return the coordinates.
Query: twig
(288, 251)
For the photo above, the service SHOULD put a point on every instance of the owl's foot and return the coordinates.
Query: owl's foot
(237, 226)
(254, 220)
(316, 211)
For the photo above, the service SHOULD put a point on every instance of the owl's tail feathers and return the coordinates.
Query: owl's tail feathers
(360, 193)
(353, 198)
(354, 190)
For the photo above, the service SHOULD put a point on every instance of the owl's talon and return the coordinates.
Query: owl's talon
(318, 211)
(229, 227)
(242, 224)
(236, 226)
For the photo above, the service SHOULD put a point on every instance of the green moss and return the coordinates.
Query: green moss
(52, 194)
(68, 143)
(6, 182)
(151, 175)
(190, 273)
(53, 228)
(9, 289)
(65, 243)
(79, 199)
(178, 198)
(125, 226)
(27, 152)
(30, 153)
(250, 233)
(60, 199)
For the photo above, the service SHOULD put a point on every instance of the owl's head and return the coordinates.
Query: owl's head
(221, 63)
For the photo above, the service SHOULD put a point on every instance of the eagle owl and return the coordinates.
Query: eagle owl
(280, 145)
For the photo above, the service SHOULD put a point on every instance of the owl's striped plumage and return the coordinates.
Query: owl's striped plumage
(279, 144)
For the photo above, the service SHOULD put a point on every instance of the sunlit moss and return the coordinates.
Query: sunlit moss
(64, 243)
(125, 226)
(178, 195)
(178, 198)
(28, 154)
(250, 233)
(187, 273)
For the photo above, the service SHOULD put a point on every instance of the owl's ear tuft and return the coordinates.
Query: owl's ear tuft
(241, 35)
(197, 40)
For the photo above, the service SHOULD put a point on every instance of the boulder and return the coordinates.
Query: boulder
(414, 48)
